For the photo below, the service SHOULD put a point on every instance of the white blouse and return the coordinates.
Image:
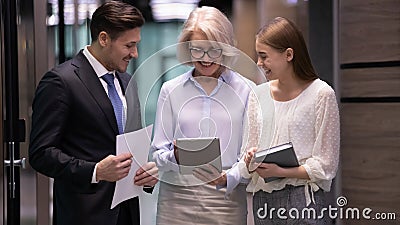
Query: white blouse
(185, 110)
(310, 121)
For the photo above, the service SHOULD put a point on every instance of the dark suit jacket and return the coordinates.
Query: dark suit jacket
(73, 128)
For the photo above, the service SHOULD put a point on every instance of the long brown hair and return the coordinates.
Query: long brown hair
(115, 17)
(282, 34)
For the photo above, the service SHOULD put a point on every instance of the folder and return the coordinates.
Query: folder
(282, 155)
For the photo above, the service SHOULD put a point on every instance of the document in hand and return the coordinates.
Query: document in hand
(197, 152)
(138, 144)
(282, 155)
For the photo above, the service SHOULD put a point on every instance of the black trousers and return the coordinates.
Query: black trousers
(129, 212)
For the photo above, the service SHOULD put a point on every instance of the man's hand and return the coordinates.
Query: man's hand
(113, 168)
(210, 175)
(146, 175)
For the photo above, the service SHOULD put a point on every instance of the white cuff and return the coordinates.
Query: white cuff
(244, 172)
(94, 181)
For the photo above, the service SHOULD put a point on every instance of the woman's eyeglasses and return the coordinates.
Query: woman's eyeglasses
(199, 53)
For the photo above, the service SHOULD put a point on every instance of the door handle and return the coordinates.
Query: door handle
(19, 162)
(12, 163)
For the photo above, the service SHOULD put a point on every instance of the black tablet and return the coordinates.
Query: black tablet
(197, 152)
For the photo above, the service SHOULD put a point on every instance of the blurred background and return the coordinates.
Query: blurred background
(354, 46)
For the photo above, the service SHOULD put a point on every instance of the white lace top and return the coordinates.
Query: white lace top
(310, 121)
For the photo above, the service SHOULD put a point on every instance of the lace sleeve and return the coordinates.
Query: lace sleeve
(251, 130)
(325, 156)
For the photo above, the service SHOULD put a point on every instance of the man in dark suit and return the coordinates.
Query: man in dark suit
(75, 122)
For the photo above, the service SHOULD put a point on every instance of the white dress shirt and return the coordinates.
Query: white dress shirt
(100, 70)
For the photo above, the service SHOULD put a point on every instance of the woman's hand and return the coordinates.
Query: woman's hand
(176, 152)
(210, 175)
(266, 170)
(272, 170)
(249, 159)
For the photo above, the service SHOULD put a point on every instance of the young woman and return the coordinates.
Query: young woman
(306, 114)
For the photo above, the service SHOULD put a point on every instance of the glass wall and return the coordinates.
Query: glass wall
(157, 44)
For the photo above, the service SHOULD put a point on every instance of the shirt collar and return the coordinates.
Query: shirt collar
(98, 68)
(225, 77)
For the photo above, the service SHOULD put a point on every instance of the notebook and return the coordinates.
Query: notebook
(282, 155)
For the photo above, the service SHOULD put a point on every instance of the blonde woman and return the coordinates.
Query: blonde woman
(207, 101)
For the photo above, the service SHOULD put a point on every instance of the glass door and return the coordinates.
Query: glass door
(13, 128)
(30, 46)
(24, 194)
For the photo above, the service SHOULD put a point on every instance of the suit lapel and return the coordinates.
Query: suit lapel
(89, 78)
(122, 82)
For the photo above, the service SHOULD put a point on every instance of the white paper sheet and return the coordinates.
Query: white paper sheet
(138, 144)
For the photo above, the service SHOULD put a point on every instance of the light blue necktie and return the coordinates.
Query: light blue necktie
(115, 100)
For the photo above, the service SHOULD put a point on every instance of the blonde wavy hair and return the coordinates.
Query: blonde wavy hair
(215, 25)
